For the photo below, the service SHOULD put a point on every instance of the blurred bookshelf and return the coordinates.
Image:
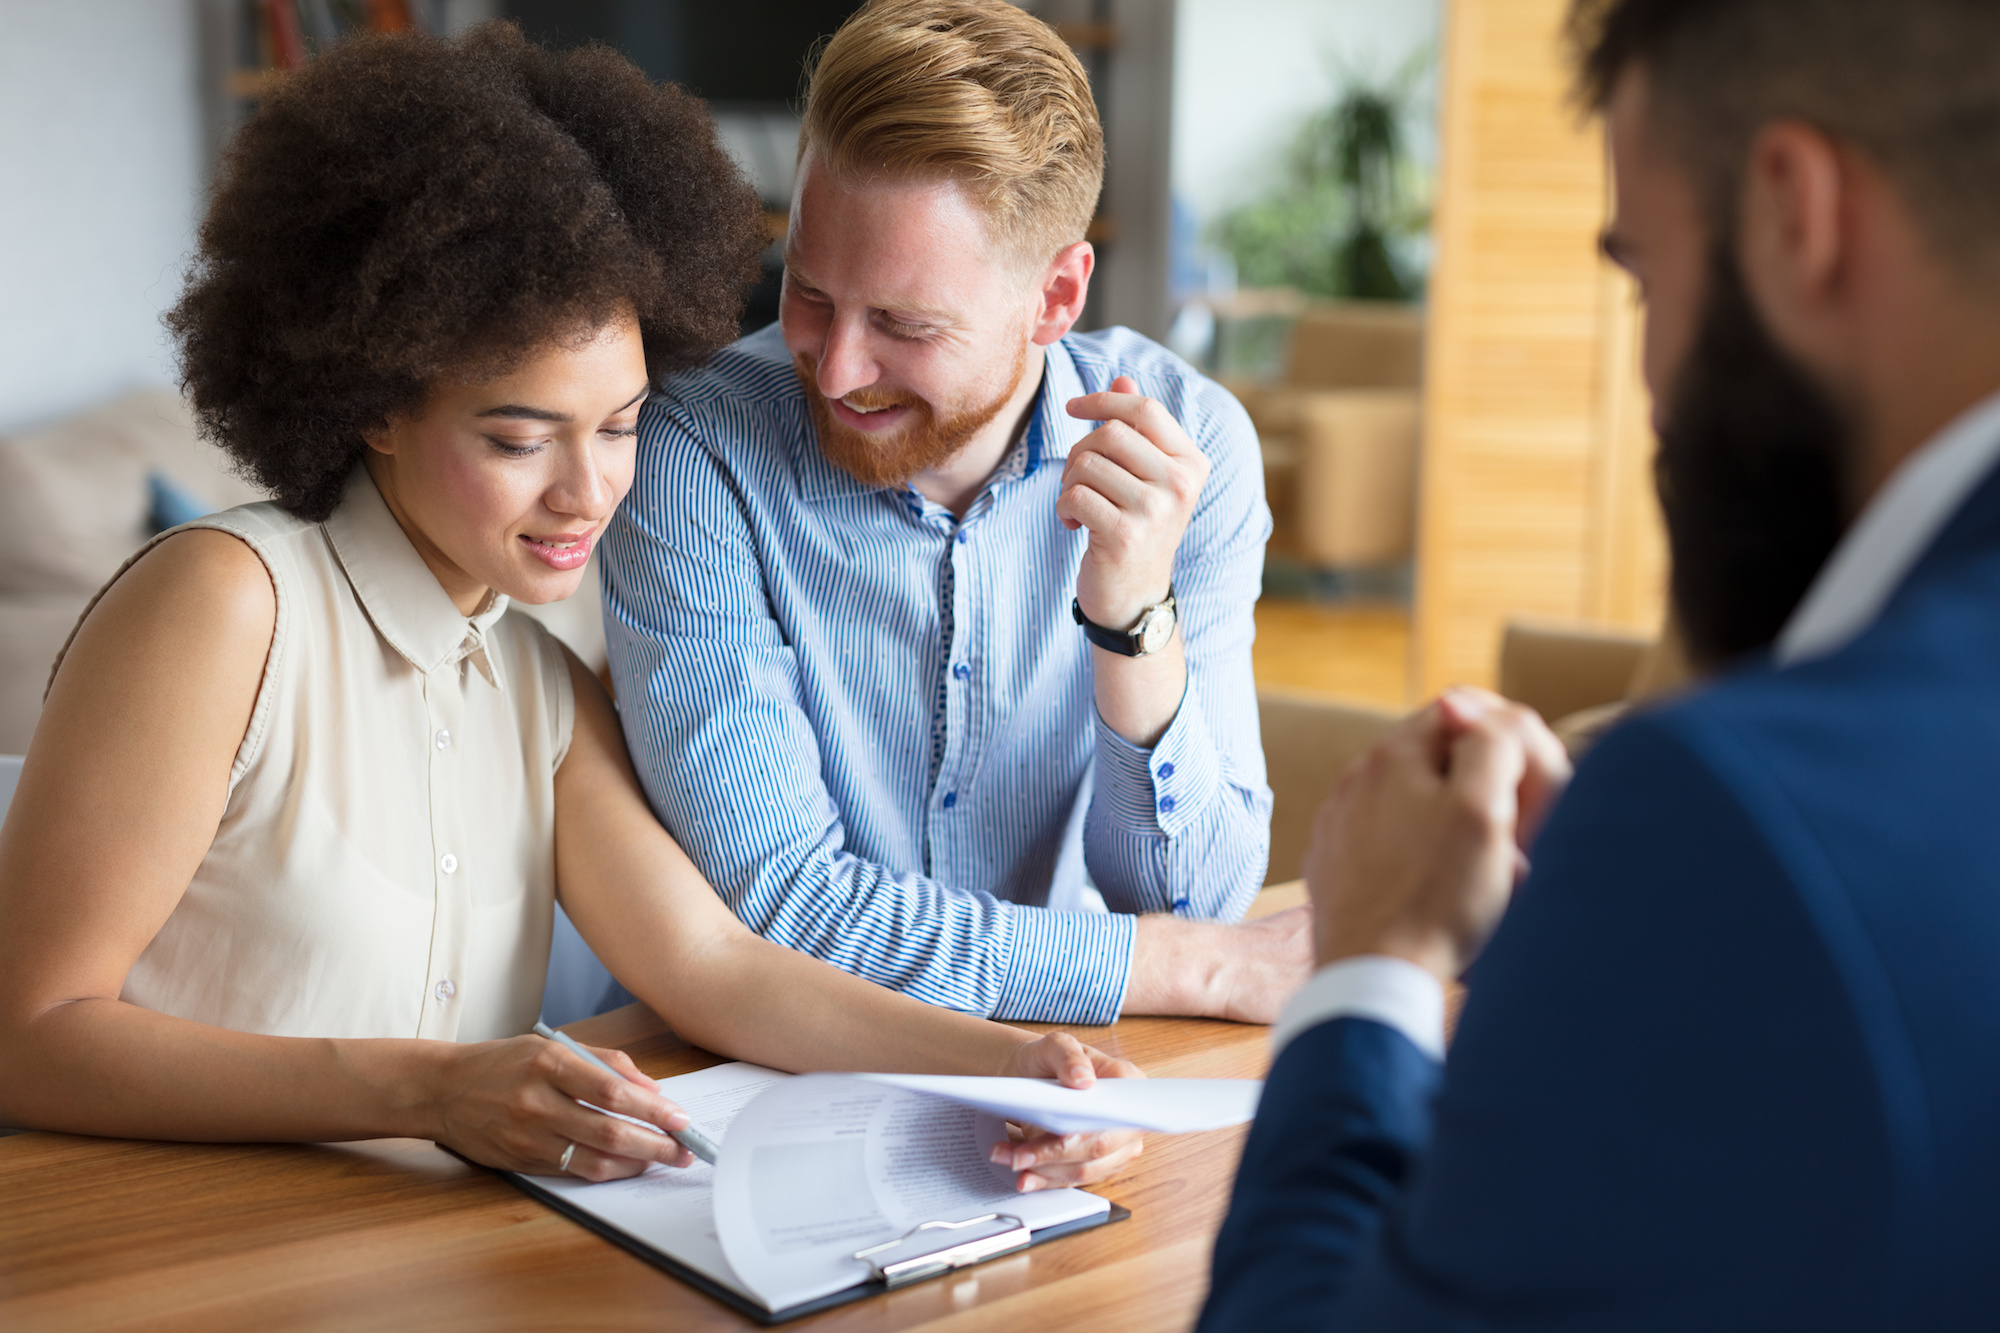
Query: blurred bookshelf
(747, 58)
(269, 38)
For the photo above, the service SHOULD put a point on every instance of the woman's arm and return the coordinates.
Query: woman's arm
(125, 783)
(655, 922)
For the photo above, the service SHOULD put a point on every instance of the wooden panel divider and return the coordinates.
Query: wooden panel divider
(1535, 498)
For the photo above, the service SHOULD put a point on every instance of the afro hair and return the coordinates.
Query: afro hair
(407, 207)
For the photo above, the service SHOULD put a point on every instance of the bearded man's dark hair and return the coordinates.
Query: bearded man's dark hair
(1756, 461)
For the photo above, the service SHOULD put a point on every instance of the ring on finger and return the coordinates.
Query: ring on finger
(562, 1162)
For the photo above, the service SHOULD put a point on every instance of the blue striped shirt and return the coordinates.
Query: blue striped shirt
(871, 724)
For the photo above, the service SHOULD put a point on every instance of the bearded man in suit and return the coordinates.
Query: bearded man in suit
(1731, 1056)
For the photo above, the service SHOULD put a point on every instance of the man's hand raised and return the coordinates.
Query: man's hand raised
(1416, 853)
(1133, 483)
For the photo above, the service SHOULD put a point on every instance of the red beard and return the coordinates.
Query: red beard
(891, 459)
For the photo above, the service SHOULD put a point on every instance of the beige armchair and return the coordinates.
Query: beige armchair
(1307, 742)
(1340, 435)
(75, 503)
(1583, 678)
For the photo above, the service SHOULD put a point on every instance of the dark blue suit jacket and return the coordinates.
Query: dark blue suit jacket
(1732, 1060)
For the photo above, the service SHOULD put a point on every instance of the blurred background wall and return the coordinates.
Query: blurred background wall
(101, 166)
(1249, 74)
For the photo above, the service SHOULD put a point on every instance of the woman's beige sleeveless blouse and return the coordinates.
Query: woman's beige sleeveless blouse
(385, 865)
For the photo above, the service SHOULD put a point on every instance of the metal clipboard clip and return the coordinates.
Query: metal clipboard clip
(962, 1254)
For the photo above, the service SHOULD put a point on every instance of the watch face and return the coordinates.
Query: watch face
(1158, 629)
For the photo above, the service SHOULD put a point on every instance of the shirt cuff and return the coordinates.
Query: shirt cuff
(1165, 789)
(1390, 991)
(1065, 967)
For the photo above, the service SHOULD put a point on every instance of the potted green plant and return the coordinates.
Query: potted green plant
(1341, 223)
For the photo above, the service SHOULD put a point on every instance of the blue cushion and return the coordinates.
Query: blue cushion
(171, 505)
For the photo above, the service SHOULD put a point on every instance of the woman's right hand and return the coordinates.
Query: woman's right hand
(1041, 1160)
(513, 1105)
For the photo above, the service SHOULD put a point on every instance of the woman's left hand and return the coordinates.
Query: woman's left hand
(1056, 1161)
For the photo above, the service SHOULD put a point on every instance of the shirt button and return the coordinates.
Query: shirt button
(1166, 803)
(961, 538)
(443, 739)
(448, 863)
(1166, 770)
(950, 799)
(962, 671)
(1180, 904)
(445, 990)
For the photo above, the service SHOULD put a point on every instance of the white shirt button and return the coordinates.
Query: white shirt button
(443, 739)
(445, 990)
(448, 863)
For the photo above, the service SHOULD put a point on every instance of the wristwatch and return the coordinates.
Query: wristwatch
(1153, 631)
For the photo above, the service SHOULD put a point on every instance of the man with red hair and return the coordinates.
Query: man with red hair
(930, 616)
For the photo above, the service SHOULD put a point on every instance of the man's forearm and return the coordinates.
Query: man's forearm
(1138, 696)
(1243, 972)
(959, 950)
(1177, 967)
(1180, 827)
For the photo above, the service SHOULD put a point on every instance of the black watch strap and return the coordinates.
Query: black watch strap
(1113, 640)
(1126, 643)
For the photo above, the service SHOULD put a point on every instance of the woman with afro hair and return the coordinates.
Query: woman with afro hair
(286, 848)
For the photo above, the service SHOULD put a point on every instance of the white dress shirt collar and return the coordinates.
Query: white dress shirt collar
(1894, 530)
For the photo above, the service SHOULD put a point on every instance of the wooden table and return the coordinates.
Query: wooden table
(111, 1234)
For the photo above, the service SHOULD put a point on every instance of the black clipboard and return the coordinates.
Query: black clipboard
(738, 1302)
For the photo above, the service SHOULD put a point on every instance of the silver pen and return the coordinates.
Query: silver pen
(690, 1138)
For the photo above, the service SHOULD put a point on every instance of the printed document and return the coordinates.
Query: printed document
(815, 1167)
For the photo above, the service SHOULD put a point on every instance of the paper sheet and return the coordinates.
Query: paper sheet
(817, 1166)
(1166, 1105)
(827, 1164)
(671, 1208)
